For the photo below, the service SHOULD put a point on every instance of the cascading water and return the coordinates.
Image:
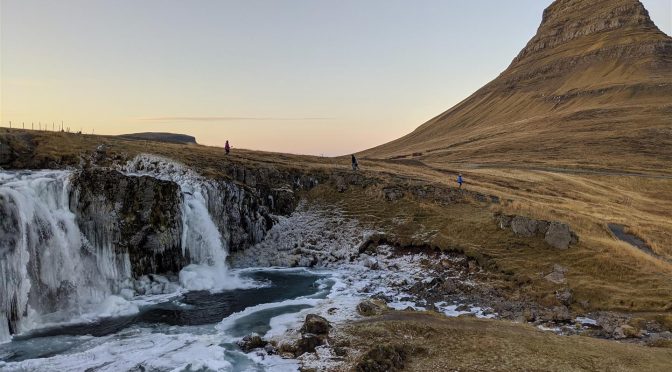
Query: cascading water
(201, 240)
(48, 271)
(51, 273)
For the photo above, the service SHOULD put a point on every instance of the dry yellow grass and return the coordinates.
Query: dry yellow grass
(602, 270)
(435, 343)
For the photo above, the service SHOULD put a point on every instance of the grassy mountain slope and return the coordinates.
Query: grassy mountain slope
(591, 89)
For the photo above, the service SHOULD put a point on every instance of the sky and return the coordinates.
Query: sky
(299, 76)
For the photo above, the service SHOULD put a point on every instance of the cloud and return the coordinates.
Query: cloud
(228, 118)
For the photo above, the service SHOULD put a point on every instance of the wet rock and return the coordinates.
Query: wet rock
(286, 347)
(308, 343)
(558, 235)
(315, 324)
(251, 342)
(270, 349)
(140, 216)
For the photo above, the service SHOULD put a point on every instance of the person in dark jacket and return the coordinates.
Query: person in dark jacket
(227, 147)
(355, 164)
(460, 180)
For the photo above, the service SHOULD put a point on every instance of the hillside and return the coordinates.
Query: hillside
(590, 90)
(161, 137)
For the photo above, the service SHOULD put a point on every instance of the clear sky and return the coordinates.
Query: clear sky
(300, 76)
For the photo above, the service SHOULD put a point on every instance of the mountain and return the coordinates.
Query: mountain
(161, 137)
(593, 88)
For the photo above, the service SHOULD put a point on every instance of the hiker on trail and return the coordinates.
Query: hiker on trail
(460, 180)
(355, 164)
(227, 147)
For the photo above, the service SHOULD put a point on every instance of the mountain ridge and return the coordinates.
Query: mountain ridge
(591, 86)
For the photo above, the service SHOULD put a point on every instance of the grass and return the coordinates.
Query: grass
(604, 273)
(433, 342)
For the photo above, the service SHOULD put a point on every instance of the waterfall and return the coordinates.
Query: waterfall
(201, 240)
(48, 272)
(51, 273)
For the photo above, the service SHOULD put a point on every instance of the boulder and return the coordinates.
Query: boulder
(555, 277)
(524, 226)
(626, 331)
(558, 314)
(559, 235)
(251, 342)
(315, 324)
(564, 296)
(369, 308)
(308, 343)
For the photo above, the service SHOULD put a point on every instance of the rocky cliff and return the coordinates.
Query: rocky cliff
(142, 216)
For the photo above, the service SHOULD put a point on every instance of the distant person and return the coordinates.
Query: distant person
(460, 181)
(227, 147)
(355, 164)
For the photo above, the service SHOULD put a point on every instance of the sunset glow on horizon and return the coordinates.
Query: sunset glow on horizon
(300, 76)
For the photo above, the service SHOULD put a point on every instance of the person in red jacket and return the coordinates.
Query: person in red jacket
(227, 147)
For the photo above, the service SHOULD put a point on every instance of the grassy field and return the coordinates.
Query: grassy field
(603, 272)
(432, 342)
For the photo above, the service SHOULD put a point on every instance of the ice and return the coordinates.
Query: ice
(586, 321)
(43, 259)
(136, 350)
(213, 278)
(114, 306)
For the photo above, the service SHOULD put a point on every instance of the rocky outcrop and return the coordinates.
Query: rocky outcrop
(314, 333)
(142, 216)
(138, 216)
(557, 234)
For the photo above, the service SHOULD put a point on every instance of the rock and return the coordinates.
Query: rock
(286, 347)
(340, 351)
(315, 324)
(308, 343)
(503, 221)
(463, 308)
(558, 235)
(251, 342)
(555, 277)
(368, 308)
(558, 314)
(393, 193)
(101, 152)
(559, 269)
(542, 227)
(564, 296)
(371, 263)
(524, 226)
(270, 349)
(341, 186)
(626, 331)
(383, 358)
